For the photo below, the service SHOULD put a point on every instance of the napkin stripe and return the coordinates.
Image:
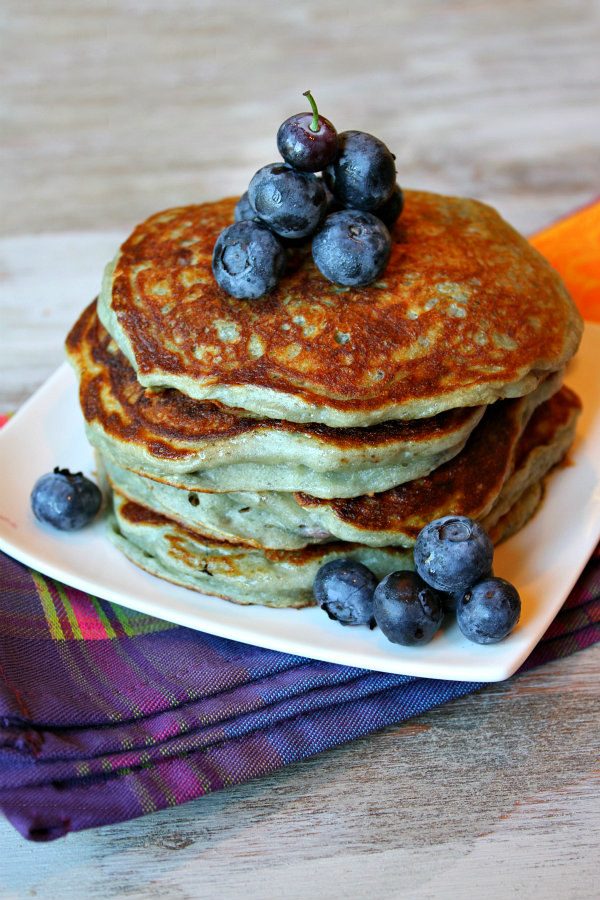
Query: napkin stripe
(43, 592)
(69, 614)
(68, 608)
(576, 619)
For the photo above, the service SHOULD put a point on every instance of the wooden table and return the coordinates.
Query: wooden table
(115, 109)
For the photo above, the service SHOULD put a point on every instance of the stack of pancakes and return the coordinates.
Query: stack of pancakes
(249, 442)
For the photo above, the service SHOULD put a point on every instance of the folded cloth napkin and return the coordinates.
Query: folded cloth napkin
(107, 714)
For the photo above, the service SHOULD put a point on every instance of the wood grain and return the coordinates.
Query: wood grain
(117, 109)
(112, 110)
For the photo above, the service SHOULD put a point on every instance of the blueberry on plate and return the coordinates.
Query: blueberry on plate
(292, 203)
(391, 210)
(64, 500)
(363, 174)
(248, 260)
(452, 553)
(352, 248)
(407, 610)
(307, 140)
(344, 589)
(453, 598)
(488, 611)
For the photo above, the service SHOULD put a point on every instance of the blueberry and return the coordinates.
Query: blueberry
(352, 248)
(363, 174)
(407, 610)
(333, 205)
(293, 204)
(451, 600)
(64, 500)
(344, 589)
(243, 212)
(452, 553)
(391, 210)
(247, 260)
(488, 611)
(307, 140)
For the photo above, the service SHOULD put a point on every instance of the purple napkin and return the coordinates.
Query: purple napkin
(107, 714)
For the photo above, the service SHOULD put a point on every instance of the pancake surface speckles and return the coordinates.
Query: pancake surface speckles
(467, 312)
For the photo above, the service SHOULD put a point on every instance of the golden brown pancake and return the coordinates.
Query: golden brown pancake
(466, 312)
(280, 578)
(168, 432)
(467, 485)
(510, 450)
(246, 576)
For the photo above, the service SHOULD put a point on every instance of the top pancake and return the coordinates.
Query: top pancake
(165, 433)
(467, 312)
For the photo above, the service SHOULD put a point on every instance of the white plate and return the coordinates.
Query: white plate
(543, 560)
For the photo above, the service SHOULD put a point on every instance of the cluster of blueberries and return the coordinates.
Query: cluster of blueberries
(453, 560)
(347, 213)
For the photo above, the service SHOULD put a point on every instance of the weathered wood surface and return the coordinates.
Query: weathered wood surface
(112, 110)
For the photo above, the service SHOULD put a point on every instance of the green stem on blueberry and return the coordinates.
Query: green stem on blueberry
(314, 125)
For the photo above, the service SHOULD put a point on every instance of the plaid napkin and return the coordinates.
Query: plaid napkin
(107, 714)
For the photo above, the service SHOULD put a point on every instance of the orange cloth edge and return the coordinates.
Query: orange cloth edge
(572, 246)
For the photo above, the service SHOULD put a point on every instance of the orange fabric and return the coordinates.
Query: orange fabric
(572, 246)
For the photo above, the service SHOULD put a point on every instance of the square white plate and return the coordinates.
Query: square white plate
(543, 560)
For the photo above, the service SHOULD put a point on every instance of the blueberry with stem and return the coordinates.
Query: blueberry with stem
(307, 140)
(452, 553)
(407, 610)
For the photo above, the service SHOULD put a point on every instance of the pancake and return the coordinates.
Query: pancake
(519, 514)
(469, 485)
(466, 313)
(509, 452)
(166, 434)
(276, 578)
(246, 576)
(545, 442)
